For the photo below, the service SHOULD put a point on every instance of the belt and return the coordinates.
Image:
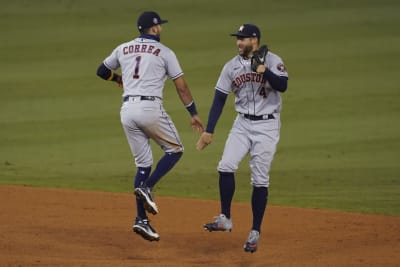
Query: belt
(258, 118)
(141, 97)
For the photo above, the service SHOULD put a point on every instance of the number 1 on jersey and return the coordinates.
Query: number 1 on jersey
(136, 72)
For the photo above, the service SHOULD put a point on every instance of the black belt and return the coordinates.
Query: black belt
(258, 118)
(142, 97)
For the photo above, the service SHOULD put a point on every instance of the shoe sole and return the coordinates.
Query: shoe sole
(247, 248)
(210, 229)
(149, 205)
(140, 231)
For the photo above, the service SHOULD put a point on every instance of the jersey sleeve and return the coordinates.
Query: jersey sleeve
(174, 70)
(224, 83)
(112, 61)
(276, 65)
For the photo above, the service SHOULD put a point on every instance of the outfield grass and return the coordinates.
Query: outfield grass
(340, 139)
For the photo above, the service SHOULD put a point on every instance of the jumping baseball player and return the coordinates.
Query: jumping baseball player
(145, 65)
(256, 77)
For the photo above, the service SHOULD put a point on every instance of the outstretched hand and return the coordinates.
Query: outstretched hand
(204, 140)
(197, 124)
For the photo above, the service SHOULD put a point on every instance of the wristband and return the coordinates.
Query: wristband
(111, 76)
(116, 78)
(192, 108)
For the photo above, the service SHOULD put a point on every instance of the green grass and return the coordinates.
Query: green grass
(340, 138)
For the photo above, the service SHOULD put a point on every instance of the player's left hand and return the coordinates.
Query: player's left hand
(197, 124)
(258, 58)
(204, 140)
(119, 82)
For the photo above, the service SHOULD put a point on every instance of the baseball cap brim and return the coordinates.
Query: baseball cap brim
(241, 35)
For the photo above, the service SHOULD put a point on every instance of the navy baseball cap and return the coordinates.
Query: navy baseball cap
(248, 30)
(148, 19)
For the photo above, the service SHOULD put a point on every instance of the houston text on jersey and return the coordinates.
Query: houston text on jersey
(248, 77)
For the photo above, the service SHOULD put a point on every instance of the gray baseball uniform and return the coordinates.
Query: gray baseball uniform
(145, 65)
(256, 77)
(253, 96)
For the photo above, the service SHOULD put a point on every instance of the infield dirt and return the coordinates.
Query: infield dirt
(55, 227)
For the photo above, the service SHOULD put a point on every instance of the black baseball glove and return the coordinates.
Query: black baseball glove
(258, 57)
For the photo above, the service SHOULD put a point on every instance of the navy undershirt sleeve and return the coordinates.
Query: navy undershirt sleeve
(278, 83)
(103, 72)
(216, 110)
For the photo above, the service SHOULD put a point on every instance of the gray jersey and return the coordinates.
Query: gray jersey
(145, 65)
(253, 93)
(254, 96)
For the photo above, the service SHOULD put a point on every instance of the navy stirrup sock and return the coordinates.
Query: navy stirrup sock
(166, 163)
(259, 200)
(226, 191)
(141, 176)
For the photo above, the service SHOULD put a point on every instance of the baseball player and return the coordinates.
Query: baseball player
(256, 77)
(145, 65)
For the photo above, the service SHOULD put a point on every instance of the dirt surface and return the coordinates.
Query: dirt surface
(52, 227)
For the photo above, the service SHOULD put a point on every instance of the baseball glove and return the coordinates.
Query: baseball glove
(258, 57)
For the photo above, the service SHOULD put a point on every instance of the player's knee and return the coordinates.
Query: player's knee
(143, 161)
(175, 149)
(227, 167)
(260, 181)
(143, 164)
(263, 184)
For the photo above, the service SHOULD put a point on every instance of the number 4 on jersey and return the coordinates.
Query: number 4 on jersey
(263, 92)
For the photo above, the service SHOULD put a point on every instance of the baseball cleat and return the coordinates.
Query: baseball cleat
(221, 223)
(143, 228)
(252, 241)
(144, 193)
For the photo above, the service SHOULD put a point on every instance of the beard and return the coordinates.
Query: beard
(246, 50)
